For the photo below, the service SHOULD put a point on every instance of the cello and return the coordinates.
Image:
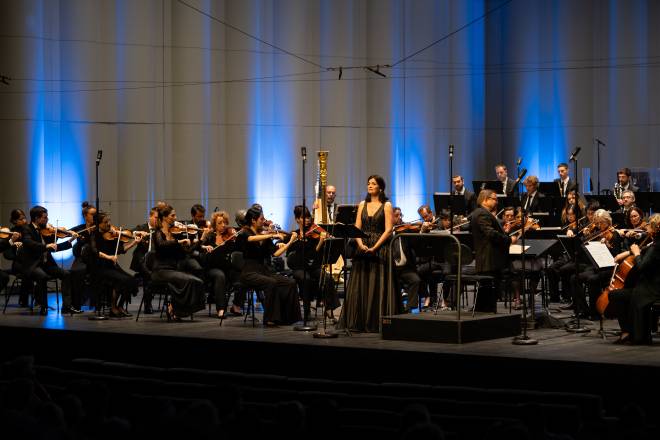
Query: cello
(618, 280)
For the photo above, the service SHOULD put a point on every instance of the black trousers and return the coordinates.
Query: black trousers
(318, 285)
(431, 273)
(78, 274)
(594, 281)
(41, 274)
(488, 294)
(281, 304)
(408, 278)
(562, 269)
(120, 281)
(632, 312)
(4, 279)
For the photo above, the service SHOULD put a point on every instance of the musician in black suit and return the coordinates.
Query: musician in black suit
(405, 268)
(37, 263)
(630, 305)
(623, 183)
(331, 206)
(565, 183)
(491, 246)
(509, 186)
(530, 200)
(460, 189)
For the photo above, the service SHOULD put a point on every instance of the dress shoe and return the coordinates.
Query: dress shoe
(43, 311)
(126, 314)
(148, 309)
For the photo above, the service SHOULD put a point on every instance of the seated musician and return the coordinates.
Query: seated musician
(512, 225)
(630, 305)
(280, 296)
(139, 257)
(106, 246)
(218, 243)
(17, 220)
(318, 283)
(562, 267)
(169, 256)
(427, 268)
(404, 265)
(627, 201)
(635, 226)
(460, 189)
(593, 278)
(530, 200)
(491, 246)
(12, 241)
(37, 263)
(577, 206)
(79, 269)
(331, 206)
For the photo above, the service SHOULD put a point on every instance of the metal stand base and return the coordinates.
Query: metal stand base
(524, 340)
(578, 329)
(305, 327)
(97, 317)
(323, 335)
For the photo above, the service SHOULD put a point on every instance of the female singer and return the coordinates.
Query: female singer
(219, 243)
(107, 247)
(630, 305)
(317, 282)
(368, 293)
(280, 297)
(169, 256)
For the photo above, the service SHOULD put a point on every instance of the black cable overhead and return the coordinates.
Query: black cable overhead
(231, 26)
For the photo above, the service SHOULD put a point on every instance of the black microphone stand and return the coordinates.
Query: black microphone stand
(451, 189)
(598, 144)
(524, 339)
(577, 328)
(98, 313)
(305, 327)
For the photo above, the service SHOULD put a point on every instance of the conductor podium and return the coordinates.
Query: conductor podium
(453, 326)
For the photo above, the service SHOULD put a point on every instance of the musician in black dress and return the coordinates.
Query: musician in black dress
(218, 243)
(280, 293)
(106, 245)
(491, 247)
(369, 293)
(170, 255)
(311, 277)
(36, 262)
(79, 266)
(139, 257)
(630, 305)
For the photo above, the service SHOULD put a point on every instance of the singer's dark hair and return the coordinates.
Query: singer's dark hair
(381, 185)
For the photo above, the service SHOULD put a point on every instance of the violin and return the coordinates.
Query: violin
(5, 232)
(410, 227)
(124, 235)
(314, 232)
(530, 223)
(50, 230)
(180, 228)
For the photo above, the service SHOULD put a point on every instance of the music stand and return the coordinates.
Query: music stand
(549, 189)
(506, 201)
(607, 202)
(495, 185)
(344, 232)
(441, 201)
(346, 214)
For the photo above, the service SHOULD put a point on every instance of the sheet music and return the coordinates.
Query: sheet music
(600, 254)
(516, 249)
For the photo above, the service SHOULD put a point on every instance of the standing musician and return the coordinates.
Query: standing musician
(509, 186)
(170, 255)
(623, 183)
(491, 246)
(319, 284)
(566, 185)
(404, 265)
(139, 258)
(331, 206)
(37, 263)
(630, 305)
(635, 226)
(461, 190)
(280, 297)
(219, 242)
(591, 277)
(530, 200)
(79, 267)
(106, 245)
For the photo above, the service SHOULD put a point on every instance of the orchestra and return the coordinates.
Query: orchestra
(195, 258)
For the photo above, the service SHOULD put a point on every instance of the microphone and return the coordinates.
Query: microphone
(574, 154)
(451, 150)
(99, 155)
(519, 161)
(520, 176)
(216, 209)
(599, 142)
(303, 151)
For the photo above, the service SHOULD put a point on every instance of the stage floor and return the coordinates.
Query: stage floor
(553, 344)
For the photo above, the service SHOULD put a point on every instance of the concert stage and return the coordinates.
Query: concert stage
(561, 361)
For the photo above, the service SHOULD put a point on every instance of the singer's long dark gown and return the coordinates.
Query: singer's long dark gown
(368, 292)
